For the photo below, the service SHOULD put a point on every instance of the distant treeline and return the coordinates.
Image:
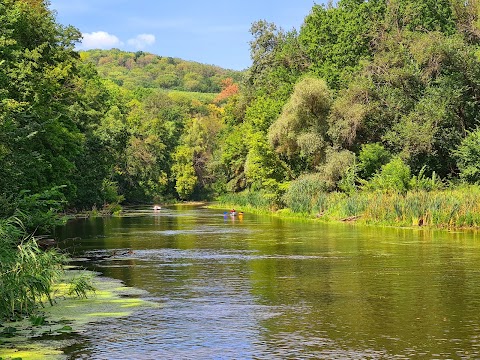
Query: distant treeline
(140, 69)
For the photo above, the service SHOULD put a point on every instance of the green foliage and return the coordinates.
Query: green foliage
(26, 272)
(335, 39)
(234, 150)
(262, 112)
(80, 286)
(40, 211)
(184, 172)
(348, 114)
(337, 168)
(468, 157)
(421, 182)
(133, 70)
(303, 194)
(261, 163)
(371, 158)
(394, 176)
(248, 200)
(301, 128)
(425, 15)
(39, 140)
(277, 61)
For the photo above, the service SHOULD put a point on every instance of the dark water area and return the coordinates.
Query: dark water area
(266, 288)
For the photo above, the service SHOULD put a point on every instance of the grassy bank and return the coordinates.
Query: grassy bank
(451, 208)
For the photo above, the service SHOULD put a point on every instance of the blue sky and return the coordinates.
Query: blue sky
(211, 31)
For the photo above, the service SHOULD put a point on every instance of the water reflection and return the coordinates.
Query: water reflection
(267, 288)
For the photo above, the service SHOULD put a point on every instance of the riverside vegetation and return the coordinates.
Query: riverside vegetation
(369, 111)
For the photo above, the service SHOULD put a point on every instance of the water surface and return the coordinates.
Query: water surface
(265, 288)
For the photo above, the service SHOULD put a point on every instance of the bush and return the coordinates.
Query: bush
(468, 157)
(394, 176)
(338, 166)
(371, 158)
(40, 211)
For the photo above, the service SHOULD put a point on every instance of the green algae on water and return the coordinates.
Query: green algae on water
(44, 336)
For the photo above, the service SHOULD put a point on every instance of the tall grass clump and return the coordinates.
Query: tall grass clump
(247, 199)
(306, 194)
(27, 272)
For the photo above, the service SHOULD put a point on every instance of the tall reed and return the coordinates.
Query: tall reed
(27, 272)
(455, 207)
(247, 199)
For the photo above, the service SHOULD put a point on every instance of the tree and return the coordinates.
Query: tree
(40, 141)
(371, 158)
(336, 39)
(301, 129)
(184, 172)
(229, 88)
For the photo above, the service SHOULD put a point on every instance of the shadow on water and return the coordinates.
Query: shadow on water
(262, 287)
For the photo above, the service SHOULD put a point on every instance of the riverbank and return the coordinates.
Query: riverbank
(54, 328)
(455, 208)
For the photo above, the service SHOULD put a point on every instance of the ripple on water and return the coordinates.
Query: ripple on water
(200, 230)
(160, 256)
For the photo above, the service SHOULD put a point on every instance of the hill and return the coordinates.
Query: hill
(141, 69)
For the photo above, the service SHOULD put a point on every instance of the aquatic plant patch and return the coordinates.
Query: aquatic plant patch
(43, 335)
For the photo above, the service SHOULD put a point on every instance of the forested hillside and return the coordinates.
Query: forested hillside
(140, 69)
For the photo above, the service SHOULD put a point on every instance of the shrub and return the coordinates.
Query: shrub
(468, 157)
(337, 166)
(394, 176)
(371, 158)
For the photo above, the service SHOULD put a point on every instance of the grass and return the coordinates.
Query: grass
(457, 207)
(27, 272)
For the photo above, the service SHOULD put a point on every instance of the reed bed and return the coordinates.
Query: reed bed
(248, 199)
(457, 207)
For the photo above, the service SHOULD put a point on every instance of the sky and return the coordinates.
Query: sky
(212, 32)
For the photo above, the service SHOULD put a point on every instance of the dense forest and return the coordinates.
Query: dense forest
(367, 97)
(370, 109)
(140, 69)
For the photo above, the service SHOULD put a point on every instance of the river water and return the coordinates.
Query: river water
(266, 288)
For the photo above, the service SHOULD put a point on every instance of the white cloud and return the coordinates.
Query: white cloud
(142, 41)
(100, 40)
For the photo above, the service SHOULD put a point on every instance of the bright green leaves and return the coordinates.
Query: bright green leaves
(184, 172)
(337, 38)
(468, 157)
(36, 75)
(421, 16)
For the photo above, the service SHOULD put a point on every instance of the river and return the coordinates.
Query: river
(267, 288)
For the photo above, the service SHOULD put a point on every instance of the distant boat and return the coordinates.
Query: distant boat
(157, 207)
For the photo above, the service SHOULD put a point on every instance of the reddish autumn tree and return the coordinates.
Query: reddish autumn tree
(229, 88)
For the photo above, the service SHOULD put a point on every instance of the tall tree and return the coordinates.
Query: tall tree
(40, 141)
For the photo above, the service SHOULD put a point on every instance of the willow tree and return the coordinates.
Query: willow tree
(300, 132)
